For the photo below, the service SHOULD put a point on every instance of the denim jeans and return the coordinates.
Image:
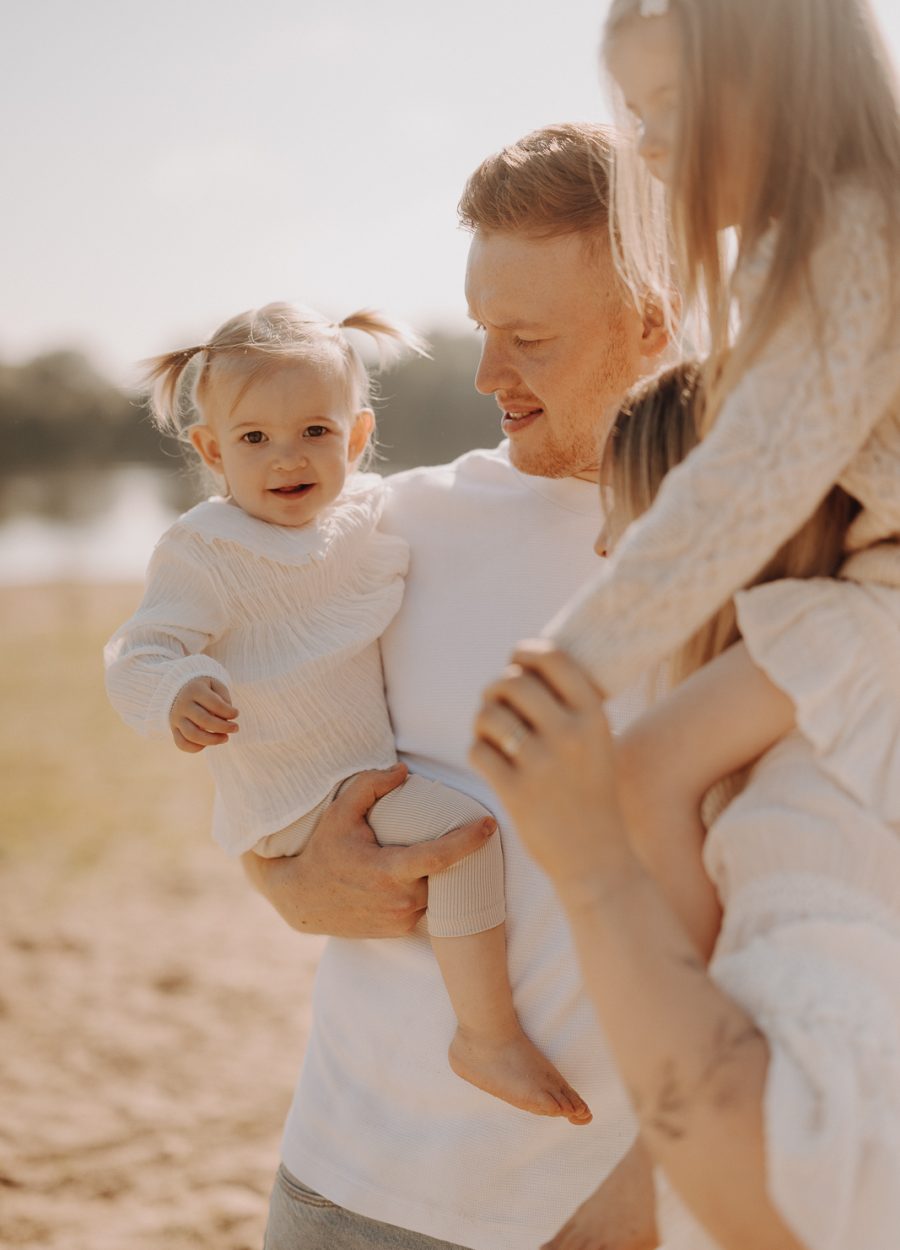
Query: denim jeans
(301, 1219)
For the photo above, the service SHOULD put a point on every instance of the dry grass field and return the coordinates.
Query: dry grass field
(153, 1010)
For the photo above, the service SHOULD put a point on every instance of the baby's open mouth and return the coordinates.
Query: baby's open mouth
(299, 489)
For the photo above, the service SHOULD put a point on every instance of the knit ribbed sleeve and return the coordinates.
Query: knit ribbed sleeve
(818, 407)
(162, 648)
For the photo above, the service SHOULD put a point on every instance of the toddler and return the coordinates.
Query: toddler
(258, 636)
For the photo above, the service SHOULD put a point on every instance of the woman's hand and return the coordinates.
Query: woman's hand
(543, 743)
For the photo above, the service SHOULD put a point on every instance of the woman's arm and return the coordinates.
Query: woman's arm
(669, 758)
(693, 1060)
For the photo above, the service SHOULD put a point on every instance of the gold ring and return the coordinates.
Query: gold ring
(511, 742)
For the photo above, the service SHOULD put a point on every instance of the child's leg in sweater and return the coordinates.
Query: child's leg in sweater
(713, 725)
(465, 922)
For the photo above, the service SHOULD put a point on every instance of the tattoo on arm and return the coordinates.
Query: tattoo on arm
(666, 1109)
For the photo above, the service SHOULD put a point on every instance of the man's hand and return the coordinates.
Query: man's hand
(344, 884)
(202, 715)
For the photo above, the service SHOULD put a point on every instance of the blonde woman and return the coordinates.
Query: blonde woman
(769, 1087)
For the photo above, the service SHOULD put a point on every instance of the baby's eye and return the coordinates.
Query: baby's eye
(316, 431)
(253, 436)
(525, 343)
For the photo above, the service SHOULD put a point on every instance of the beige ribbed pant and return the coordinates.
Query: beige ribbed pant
(464, 899)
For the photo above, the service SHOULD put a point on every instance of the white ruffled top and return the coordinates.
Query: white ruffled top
(289, 619)
(809, 875)
(806, 861)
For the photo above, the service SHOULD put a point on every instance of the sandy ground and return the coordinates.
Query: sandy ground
(153, 1010)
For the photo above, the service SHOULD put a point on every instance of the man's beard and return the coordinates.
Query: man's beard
(553, 460)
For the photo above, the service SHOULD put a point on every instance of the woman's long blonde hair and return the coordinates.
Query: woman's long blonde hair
(824, 109)
(653, 432)
(259, 340)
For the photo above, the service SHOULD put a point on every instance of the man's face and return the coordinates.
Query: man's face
(561, 346)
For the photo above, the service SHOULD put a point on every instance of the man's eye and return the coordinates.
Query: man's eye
(253, 436)
(316, 431)
(525, 343)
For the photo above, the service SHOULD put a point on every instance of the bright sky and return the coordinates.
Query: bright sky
(168, 164)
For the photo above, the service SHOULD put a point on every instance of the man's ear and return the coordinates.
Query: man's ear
(655, 337)
(206, 445)
(361, 432)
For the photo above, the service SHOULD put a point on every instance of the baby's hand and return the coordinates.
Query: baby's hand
(202, 715)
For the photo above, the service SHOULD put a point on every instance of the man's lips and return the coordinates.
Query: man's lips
(519, 418)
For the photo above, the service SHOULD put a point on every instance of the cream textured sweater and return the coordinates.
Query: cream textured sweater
(289, 619)
(818, 407)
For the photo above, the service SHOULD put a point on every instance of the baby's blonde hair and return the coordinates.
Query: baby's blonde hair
(656, 428)
(254, 343)
(824, 112)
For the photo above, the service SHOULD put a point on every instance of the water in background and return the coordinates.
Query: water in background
(93, 527)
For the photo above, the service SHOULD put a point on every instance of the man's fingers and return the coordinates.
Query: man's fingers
(426, 858)
(367, 788)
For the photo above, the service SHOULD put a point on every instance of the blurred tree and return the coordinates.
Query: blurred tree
(430, 411)
(57, 411)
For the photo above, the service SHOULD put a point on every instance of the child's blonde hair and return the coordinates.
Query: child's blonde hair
(824, 112)
(254, 343)
(655, 430)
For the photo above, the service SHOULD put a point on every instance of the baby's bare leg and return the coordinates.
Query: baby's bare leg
(465, 922)
(490, 1049)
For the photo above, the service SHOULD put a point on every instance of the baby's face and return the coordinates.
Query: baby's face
(284, 442)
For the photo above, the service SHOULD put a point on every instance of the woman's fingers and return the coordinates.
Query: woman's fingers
(494, 767)
(570, 683)
(528, 696)
(498, 725)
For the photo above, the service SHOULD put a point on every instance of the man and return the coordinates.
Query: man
(384, 1146)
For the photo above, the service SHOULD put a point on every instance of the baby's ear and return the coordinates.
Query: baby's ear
(206, 445)
(360, 433)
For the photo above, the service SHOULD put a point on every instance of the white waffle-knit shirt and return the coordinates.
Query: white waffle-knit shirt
(289, 619)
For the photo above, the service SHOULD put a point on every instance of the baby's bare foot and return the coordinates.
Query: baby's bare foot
(514, 1070)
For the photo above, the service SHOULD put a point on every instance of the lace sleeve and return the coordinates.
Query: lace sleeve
(783, 438)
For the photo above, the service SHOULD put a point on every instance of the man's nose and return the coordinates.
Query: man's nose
(494, 372)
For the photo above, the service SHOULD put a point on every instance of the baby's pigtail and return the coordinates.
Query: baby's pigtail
(163, 378)
(391, 337)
